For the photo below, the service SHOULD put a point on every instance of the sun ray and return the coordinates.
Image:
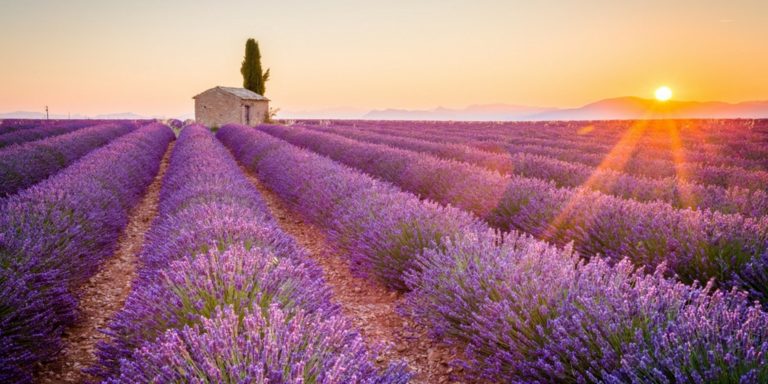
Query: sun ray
(616, 159)
(676, 147)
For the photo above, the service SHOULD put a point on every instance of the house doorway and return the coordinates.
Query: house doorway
(247, 112)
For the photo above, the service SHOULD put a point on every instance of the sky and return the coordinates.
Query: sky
(151, 57)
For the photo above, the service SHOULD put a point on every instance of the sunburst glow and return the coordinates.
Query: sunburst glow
(664, 93)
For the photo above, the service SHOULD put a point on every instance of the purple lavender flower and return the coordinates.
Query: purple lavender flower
(525, 310)
(679, 193)
(26, 164)
(696, 245)
(529, 312)
(214, 246)
(190, 289)
(54, 235)
(257, 347)
(382, 227)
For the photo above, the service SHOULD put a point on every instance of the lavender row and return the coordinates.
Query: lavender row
(696, 133)
(699, 173)
(380, 225)
(671, 148)
(527, 312)
(25, 135)
(678, 193)
(640, 154)
(632, 159)
(55, 235)
(715, 140)
(697, 245)
(24, 165)
(12, 125)
(224, 295)
(649, 138)
(645, 140)
(733, 142)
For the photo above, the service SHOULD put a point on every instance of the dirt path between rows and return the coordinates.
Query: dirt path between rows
(104, 293)
(369, 305)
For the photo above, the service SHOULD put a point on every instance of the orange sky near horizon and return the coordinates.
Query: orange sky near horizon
(151, 57)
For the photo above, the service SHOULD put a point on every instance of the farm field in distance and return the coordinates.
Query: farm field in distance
(384, 251)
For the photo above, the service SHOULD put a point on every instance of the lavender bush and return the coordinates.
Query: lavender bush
(649, 144)
(261, 347)
(54, 235)
(679, 193)
(381, 226)
(11, 125)
(527, 311)
(750, 173)
(48, 130)
(14, 125)
(190, 289)
(174, 123)
(21, 166)
(214, 247)
(697, 245)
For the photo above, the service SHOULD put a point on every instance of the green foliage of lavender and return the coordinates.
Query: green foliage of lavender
(696, 245)
(260, 347)
(536, 313)
(54, 235)
(224, 295)
(526, 311)
(679, 193)
(381, 226)
(21, 166)
(41, 132)
(724, 153)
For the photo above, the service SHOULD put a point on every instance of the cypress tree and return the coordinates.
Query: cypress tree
(253, 77)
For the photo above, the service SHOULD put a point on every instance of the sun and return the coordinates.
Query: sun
(664, 93)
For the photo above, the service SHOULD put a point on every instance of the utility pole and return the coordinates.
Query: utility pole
(46, 112)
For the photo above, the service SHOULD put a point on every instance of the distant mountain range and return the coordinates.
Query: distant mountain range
(620, 108)
(616, 108)
(484, 112)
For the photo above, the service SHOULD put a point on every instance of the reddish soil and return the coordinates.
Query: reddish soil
(104, 293)
(368, 304)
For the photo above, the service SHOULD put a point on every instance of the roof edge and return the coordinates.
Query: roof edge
(229, 90)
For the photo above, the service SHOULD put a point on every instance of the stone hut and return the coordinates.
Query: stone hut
(222, 105)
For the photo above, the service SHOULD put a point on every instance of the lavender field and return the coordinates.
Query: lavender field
(358, 251)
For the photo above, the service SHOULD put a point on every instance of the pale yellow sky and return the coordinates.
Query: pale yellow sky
(151, 57)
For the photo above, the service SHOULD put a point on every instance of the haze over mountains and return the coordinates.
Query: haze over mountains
(488, 112)
(608, 109)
